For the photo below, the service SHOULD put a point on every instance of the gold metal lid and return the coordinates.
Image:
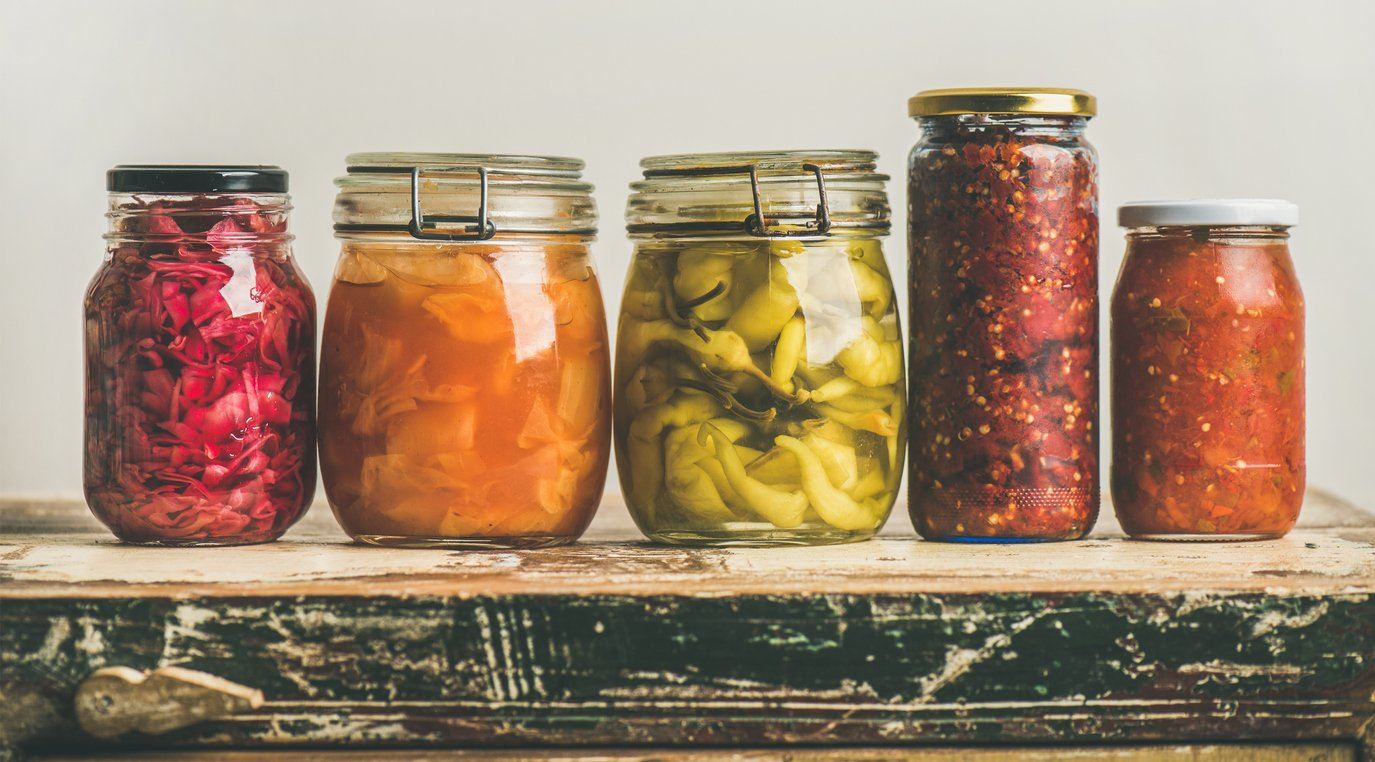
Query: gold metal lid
(1044, 101)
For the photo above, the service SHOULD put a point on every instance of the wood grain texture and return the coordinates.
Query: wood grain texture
(1289, 752)
(54, 555)
(611, 642)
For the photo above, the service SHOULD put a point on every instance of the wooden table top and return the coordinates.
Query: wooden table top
(56, 549)
(613, 641)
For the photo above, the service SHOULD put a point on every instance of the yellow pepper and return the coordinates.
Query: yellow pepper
(872, 359)
(874, 289)
(762, 315)
(719, 350)
(876, 421)
(694, 478)
(779, 467)
(646, 449)
(781, 508)
(700, 269)
(871, 484)
(787, 353)
(869, 252)
(648, 385)
(831, 504)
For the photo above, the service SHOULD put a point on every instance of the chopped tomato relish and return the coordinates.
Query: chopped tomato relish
(1003, 241)
(1207, 384)
(200, 354)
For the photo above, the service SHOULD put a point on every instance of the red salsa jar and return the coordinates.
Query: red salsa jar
(1207, 372)
(200, 360)
(1003, 247)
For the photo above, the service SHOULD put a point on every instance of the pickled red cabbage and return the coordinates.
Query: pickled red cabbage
(200, 374)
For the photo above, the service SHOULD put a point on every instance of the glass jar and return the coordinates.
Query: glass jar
(1207, 372)
(200, 360)
(465, 393)
(1003, 246)
(759, 375)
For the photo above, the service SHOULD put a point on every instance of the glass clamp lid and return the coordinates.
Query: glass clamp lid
(762, 194)
(463, 197)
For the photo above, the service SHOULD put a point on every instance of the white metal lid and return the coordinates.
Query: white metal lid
(1208, 211)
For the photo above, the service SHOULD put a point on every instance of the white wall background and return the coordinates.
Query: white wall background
(1196, 99)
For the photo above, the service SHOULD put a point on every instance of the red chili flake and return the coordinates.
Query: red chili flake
(1003, 237)
(200, 375)
(1208, 386)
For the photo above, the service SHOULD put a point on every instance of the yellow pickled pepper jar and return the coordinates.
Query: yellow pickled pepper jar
(759, 381)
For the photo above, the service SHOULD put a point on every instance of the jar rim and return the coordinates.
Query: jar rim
(762, 194)
(453, 197)
(768, 161)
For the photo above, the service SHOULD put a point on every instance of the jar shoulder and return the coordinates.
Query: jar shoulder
(1208, 278)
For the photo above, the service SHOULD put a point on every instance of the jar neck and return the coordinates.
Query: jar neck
(974, 125)
(506, 241)
(1206, 233)
(877, 233)
(217, 220)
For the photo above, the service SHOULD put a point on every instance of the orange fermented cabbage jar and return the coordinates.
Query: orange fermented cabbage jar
(1207, 372)
(465, 377)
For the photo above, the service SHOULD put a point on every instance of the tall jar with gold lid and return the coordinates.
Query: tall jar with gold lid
(1003, 247)
(465, 393)
(759, 375)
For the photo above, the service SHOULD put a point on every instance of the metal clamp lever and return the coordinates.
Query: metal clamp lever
(479, 227)
(757, 223)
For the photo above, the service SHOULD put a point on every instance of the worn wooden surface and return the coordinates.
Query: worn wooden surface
(613, 641)
(1287, 752)
(115, 701)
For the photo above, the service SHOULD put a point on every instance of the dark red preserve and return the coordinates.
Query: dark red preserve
(1003, 246)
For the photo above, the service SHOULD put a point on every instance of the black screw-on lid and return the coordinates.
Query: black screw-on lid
(196, 178)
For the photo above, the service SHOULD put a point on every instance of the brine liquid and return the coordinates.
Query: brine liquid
(465, 394)
(760, 394)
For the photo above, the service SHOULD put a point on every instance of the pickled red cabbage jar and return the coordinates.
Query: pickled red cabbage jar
(1003, 246)
(200, 360)
(759, 372)
(1207, 372)
(465, 396)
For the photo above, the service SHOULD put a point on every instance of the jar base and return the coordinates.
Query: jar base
(1205, 537)
(972, 540)
(200, 543)
(465, 543)
(755, 538)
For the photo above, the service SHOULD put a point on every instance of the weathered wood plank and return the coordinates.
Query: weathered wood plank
(1289, 752)
(616, 561)
(613, 642)
(746, 669)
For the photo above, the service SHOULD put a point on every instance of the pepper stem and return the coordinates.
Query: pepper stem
(729, 401)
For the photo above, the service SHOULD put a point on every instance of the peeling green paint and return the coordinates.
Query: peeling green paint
(748, 669)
